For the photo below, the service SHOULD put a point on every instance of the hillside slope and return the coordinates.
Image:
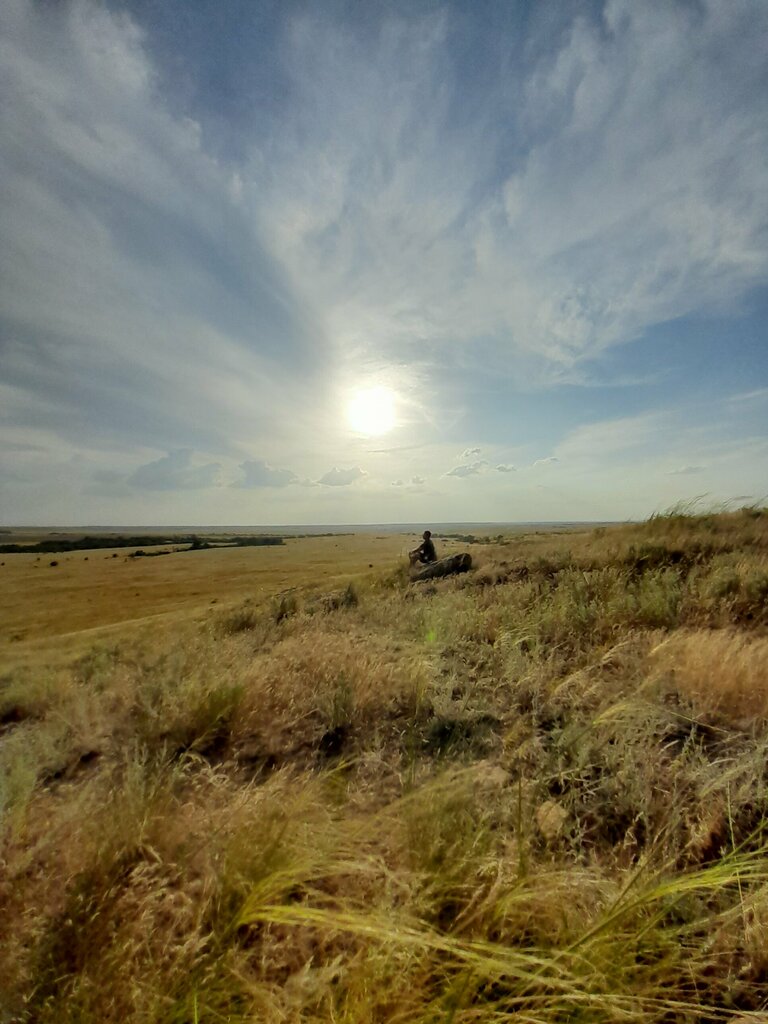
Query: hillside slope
(536, 792)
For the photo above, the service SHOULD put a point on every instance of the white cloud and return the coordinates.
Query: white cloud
(258, 473)
(342, 477)
(643, 199)
(505, 468)
(470, 469)
(549, 461)
(174, 472)
(608, 438)
(136, 301)
(619, 197)
(397, 483)
(418, 480)
(156, 298)
(685, 470)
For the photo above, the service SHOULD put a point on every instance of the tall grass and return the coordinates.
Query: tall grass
(534, 793)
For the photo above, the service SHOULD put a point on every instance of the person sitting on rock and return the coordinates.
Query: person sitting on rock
(425, 552)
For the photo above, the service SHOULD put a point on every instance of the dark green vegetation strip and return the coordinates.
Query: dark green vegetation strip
(94, 543)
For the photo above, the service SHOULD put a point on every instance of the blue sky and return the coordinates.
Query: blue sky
(540, 229)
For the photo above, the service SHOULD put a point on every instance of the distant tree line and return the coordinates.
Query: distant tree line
(470, 538)
(257, 542)
(94, 543)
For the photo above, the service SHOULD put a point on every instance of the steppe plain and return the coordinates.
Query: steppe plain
(284, 784)
(88, 595)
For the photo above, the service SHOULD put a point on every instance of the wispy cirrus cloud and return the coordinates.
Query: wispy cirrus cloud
(749, 396)
(615, 437)
(685, 470)
(136, 303)
(609, 203)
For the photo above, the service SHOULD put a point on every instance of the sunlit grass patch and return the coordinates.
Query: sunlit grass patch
(723, 672)
(317, 688)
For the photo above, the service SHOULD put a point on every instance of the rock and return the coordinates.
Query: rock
(443, 567)
(489, 776)
(551, 818)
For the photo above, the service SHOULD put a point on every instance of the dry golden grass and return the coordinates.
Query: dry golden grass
(45, 608)
(533, 793)
(723, 673)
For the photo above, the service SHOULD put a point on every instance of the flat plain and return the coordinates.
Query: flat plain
(47, 609)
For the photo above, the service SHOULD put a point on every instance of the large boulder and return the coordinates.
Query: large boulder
(443, 567)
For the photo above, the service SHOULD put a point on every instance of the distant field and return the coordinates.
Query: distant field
(42, 606)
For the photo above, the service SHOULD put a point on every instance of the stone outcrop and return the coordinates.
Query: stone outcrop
(443, 567)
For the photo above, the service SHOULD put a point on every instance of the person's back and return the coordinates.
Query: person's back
(428, 548)
(425, 552)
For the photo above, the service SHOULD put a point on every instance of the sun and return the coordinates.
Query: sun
(371, 411)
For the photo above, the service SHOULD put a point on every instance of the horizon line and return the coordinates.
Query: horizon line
(314, 526)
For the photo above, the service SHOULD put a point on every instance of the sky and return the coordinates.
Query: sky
(288, 262)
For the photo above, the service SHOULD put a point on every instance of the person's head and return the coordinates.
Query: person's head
(427, 535)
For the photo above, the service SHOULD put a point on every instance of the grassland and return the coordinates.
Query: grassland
(536, 792)
(45, 610)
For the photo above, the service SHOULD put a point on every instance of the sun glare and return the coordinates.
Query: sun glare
(371, 411)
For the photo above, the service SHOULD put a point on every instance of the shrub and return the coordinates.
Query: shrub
(237, 620)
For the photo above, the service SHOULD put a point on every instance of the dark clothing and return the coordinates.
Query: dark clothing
(426, 551)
